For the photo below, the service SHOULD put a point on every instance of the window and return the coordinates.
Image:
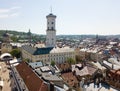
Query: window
(52, 23)
(48, 28)
(52, 28)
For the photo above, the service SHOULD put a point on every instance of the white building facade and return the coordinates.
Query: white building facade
(59, 55)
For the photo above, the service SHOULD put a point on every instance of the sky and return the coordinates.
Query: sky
(73, 16)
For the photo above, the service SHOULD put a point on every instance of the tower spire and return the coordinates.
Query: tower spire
(51, 9)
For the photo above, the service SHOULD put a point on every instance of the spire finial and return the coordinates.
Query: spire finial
(29, 29)
(51, 9)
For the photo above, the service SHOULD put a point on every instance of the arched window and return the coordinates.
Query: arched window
(52, 28)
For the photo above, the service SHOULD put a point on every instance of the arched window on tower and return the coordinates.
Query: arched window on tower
(52, 28)
(52, 40)
(52, 22)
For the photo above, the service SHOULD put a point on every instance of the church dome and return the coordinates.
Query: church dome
(5, 34)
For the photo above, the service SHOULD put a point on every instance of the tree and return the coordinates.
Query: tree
(16, 53)
(78, 58)
(53, 63)
(14, 38)
(26, 60)
(71, 61)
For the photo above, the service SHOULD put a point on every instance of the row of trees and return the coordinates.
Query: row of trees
(69, 60)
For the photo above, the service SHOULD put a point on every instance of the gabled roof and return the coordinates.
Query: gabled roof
(32, 81)
(87, 70)
(37, 51)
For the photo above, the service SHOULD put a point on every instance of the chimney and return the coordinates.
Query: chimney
(112, 66)
(51, 86)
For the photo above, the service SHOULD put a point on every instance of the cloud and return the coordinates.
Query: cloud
(9, 12)
(4, 10)
(14, 8)
(15, 14)
(3, 16)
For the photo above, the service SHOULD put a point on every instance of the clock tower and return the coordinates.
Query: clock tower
(51, 31)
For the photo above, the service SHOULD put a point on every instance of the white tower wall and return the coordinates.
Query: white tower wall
(51, 31)
(51, 23)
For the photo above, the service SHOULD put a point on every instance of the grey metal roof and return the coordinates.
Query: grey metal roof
(37, 51)
(29, 49)
(36, 64)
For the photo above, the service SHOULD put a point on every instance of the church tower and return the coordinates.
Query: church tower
(51, 31)
(29, 35)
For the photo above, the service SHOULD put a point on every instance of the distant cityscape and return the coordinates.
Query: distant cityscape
(32, 62)
(17, 36)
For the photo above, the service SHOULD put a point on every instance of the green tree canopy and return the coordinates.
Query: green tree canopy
(26, 60)
(78, 58)
(71, 61)
(14, 38)
(53, 63)
(16, 53)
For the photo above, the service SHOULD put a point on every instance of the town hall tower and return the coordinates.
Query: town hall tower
(51, 31)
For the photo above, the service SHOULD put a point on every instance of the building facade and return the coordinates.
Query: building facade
(6, 46)
(59, 55)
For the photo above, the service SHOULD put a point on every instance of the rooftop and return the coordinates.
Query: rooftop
(37, 51)
(82, 71)
(45, 69)
(30, 78)
(64, 66)
(51, 15)
(102, 87)
(116, 71)
(50, 77)
(111, 65)
(35, 65)
(98, 65)
(70, 79)
(60, 50)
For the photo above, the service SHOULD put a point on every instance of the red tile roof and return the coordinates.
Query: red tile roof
(32, 81)
(70, 79)
(116, 71)
(64, 66)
